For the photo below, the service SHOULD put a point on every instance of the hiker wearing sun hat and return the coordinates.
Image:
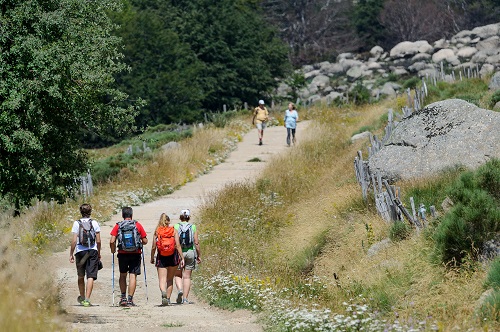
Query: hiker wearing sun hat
(188, 237)
(260, 118)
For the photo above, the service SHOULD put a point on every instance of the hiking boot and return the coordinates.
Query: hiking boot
(123, 302)
(86, 303)
(80, 299)
(185, 301)
(179, 297)
(131, 304)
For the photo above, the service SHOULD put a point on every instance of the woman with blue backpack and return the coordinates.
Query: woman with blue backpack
(188, 238)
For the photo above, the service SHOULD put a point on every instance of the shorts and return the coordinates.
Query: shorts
(189, 260)
(261, 125)
(130, 263)
(86, 263)
(167, 261)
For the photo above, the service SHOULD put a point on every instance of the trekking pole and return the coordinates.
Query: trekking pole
(145, 280)
(113, 279)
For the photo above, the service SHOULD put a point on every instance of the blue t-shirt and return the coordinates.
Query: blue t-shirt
(291, 118)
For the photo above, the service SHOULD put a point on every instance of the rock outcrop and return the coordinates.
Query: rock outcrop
(476, 50)
(442, 135)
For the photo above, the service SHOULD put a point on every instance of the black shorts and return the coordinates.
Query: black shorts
(130, 263)
(166, 261)
(86, 263)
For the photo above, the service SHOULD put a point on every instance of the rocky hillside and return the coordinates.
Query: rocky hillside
(468, 53)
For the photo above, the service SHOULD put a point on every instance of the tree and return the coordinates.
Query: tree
(242, 55)
(165, 72)
(411, 20)
(57, 64)
(366, 20)
(314, 30)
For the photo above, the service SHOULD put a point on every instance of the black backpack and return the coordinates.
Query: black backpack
(129, 238)
(186, 236)
(86, 233)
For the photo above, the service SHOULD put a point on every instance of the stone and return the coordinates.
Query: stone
(442, 135)
(495, 81)
(466, 52)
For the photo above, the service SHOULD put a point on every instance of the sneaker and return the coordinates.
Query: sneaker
(186, 301)
(165, 301)
(123, 302)
(260, 142)
(80, 299)
(86, 303)
(179, 297)
(131, 304)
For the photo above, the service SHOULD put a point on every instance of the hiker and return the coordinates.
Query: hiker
(260, 118)
(131, 237)
(188, 237)
(290, 120)
(87, 243)
(168, 258)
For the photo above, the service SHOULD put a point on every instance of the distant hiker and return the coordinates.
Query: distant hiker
(260, 118)
(131, 237)
(290, 120)
(166, 241)
(188, 237)
(87, 242)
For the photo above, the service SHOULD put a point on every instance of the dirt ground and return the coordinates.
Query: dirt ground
(103, 316)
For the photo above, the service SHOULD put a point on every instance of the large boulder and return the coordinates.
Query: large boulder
(495, 82)
(408, 48)
(442, 135)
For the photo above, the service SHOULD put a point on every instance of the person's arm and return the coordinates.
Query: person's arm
(98, 241)
(284, 121)
(72, 250)
(144, 238)
(112, 244)
(153, 249)
(178, 247)
(254, 115)
(197, 247)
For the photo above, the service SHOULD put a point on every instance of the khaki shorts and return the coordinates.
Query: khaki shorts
(261, 125)
(189, 260)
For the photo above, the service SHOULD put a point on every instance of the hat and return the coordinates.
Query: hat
(185, 212)
(261, 102)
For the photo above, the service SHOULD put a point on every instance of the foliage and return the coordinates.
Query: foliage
(411, 83)
(57, 64)
(365, 18)
(360, 94)
(471, 90)
(495, 98)
(475, 216)
(493, 278)
(192, 57)
(399, 231)
(490, 308)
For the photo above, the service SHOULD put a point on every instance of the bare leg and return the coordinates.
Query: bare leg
(186, 279)
(162, 279)
(81, 286)
(90, 285)
(132, 282)
(123, 283)
(170, 279)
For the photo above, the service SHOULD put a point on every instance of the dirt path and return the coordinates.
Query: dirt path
(102, 316)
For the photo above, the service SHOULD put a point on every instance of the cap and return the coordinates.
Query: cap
(261, 102)
(185, 212)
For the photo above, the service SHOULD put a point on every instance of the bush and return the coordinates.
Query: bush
(411, 83)
(495, 98)
(493, 278)
(475, 217)
(360, 94)
(399, 231)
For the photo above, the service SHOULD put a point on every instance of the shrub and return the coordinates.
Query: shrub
(360, 94)
(411, 83)
(493, 278)
(495, 98)
(399, 231)
(475, 217)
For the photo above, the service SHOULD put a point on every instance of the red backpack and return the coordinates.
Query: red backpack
(165, 241)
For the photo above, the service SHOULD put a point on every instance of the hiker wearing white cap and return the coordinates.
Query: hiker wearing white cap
(188, 237)
(260, 117)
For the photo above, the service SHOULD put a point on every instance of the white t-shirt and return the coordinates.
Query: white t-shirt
(76, 228)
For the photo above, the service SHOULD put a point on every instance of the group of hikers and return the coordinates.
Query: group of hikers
(261, 117)
(175, 252)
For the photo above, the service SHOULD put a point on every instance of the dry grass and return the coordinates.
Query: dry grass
(29, 296)
(325, 229)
